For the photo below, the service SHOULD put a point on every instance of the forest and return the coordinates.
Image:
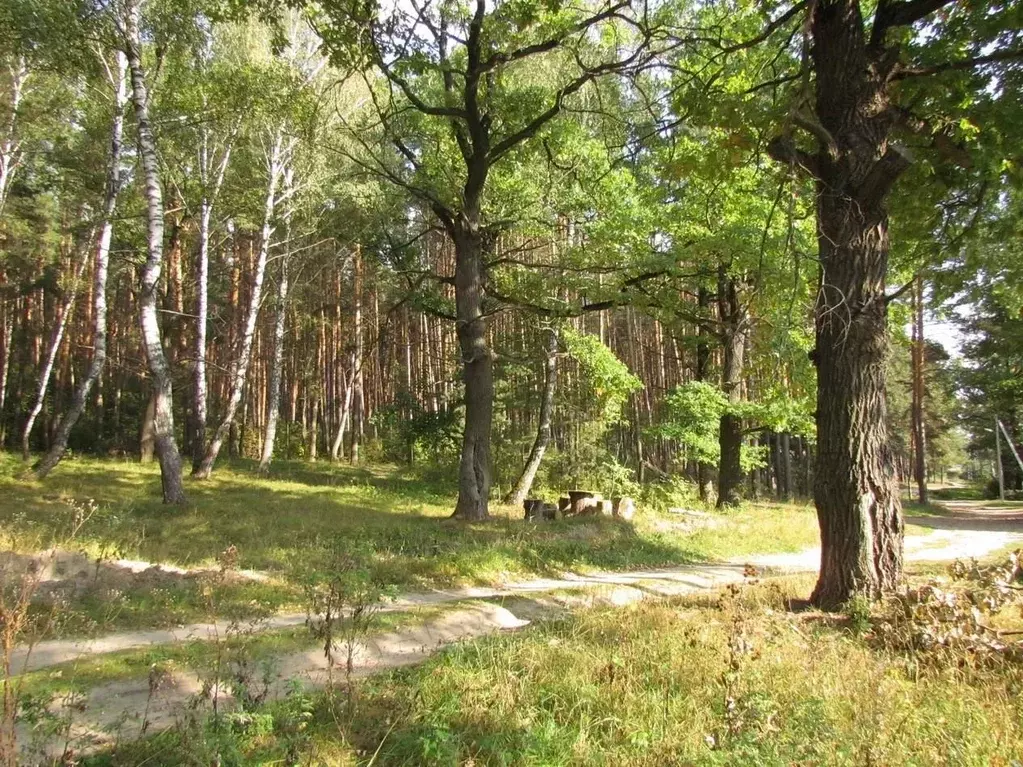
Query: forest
(308, 298)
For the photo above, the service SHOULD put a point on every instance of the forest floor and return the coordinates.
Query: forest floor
(285, 531)
(116, 686)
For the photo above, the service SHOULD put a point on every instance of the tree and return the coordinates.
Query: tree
(163, 410)
(468, 79)
(117, 78)
(854, 115)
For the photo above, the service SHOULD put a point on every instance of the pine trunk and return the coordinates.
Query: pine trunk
(919, 426)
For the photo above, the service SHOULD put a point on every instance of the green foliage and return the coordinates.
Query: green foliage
(411, 433)
(610, 380)
(693, 416)
(694, 413)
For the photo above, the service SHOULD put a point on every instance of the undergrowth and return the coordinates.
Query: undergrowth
(741, 678)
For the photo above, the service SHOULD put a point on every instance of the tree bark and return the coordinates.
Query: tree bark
(100, 272)
(358, 405)
(543, 432)
(277, 160)
(704, 470)
(730, 436)
(11, 154)
(166, 446)
(210, 192)
(855, 493)
(477, 372)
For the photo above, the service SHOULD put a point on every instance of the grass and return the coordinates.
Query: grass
(300, 521)
(737, 679)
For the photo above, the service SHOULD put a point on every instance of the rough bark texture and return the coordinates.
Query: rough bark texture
(477, 372)
(855, 493)
(734, 331)
(99, 277)
(543, 430)
(166, 446)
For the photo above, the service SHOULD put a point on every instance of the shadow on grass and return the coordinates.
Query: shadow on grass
(303, 519)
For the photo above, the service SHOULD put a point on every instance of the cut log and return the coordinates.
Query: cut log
(624, 508)
(583, 502)
(533, 507)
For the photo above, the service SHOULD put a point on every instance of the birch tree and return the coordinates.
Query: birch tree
(159, 371)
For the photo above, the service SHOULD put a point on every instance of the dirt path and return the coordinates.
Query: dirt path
(614, 585)
(942, 544)
(128, 708)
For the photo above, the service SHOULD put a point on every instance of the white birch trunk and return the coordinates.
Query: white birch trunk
(166, 446)
(100, 272)
(211, 190)
(51, 356)
(277, 160)
(11, 154)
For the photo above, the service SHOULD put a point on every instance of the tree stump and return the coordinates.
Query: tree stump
(583, 502)
(605, 508)
(564, 507)
(534, 508)
(624, 508)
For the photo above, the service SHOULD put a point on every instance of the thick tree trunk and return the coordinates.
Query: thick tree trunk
(730, 436)
(855, 493)
(277, 159)
(166, 446)
(477, 373)
(543, 431)
(99, 290)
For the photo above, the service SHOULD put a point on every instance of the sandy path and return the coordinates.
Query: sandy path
(663, 582)
(126, 708)
(940, 545)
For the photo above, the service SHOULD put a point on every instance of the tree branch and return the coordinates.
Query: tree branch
(902, 73)
(784, 150)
